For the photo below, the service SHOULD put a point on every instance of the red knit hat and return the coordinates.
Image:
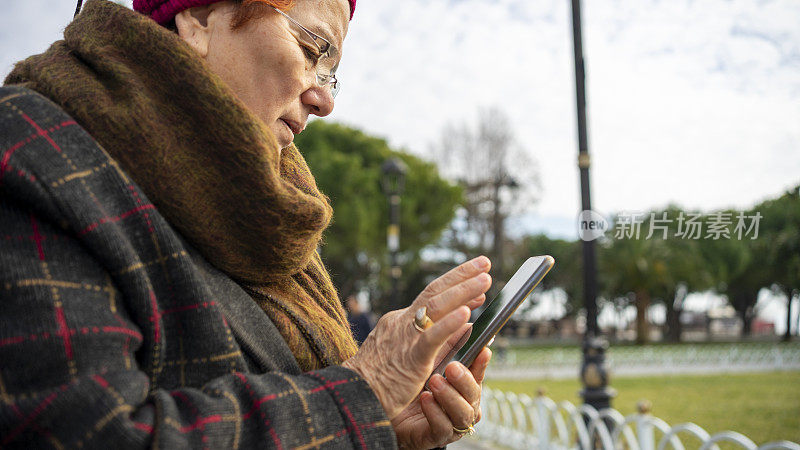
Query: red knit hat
(162, 11)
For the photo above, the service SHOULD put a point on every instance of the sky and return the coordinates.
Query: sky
(689, 102)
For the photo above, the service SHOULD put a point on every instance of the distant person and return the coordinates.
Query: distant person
(361, 322)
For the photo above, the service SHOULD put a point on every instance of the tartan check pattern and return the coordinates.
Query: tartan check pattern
(115, 332)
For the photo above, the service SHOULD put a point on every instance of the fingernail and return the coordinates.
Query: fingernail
(457, 372)
(483, 278)
(436, 381)
(480, 262)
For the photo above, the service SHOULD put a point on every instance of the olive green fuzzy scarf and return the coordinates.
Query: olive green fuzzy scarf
(211, 167)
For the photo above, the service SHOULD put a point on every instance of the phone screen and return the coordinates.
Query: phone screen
(514, 292)
(498, 311)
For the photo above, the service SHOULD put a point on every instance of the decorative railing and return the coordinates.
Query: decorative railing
(519, 421)
(660, 359)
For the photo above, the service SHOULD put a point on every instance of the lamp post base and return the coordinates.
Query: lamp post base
(599, 399)
(594, 374)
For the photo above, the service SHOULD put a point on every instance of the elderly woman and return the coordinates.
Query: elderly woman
(159, 279)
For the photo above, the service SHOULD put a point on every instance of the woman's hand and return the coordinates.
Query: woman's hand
(396, 359)
(453, 402)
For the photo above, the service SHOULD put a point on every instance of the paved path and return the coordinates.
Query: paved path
(467, 443)
(514, 373)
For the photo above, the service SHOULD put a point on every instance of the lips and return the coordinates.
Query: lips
(296, 127)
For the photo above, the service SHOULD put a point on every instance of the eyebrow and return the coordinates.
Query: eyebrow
(323, 33)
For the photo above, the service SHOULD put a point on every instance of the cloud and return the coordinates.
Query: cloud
(689, 102)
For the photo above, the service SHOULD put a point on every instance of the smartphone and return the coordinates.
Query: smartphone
(498, 311)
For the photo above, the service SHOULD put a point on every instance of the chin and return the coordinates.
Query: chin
(283, 143)
(283, 135)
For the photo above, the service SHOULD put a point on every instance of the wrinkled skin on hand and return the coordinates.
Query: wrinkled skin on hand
(396, 360)
(428, 422)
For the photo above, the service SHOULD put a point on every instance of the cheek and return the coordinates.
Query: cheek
(266, 77)
(286, 73)
(278, 63)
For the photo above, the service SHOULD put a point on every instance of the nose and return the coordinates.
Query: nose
(319, 99)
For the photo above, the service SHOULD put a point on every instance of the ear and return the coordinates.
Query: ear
(195, 28)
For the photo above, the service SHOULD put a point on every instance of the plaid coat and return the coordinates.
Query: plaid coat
(114, 331)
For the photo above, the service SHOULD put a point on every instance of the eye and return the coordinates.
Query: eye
(311, 55)
(324, 47)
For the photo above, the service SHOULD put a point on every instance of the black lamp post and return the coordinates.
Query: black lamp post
(393, 182)
(593, 372)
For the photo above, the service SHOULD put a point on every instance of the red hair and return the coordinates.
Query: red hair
(248, 10)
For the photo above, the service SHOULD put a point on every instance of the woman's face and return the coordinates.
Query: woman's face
(263, 61)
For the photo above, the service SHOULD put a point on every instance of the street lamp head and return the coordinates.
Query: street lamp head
(394, 174)
(394, 166)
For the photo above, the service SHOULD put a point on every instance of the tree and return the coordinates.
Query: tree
(742, 266)
(780, 232)
(346, 164)
(631, 266)
(651, 265)
(565, 275)
(685, 270)
(498, 177)
(738, 273)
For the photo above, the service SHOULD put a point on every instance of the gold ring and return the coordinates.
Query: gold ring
(421, 320)
(470, 430)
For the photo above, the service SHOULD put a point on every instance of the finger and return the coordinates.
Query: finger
(452, 341)
(432, 339)
(463, 381)
(457, 408)
(479, 365)
(441, 427)
(456, 275)
(458, 295)
(458, 335)
(478, 369)
(476, 302)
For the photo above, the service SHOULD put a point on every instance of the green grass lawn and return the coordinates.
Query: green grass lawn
(763, 406)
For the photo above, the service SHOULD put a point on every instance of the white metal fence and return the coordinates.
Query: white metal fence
(519, 421)
(661, 359)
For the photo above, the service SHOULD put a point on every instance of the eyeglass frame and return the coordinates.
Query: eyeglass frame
(323, 79)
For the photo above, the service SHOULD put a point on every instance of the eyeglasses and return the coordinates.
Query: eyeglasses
(325, 56)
